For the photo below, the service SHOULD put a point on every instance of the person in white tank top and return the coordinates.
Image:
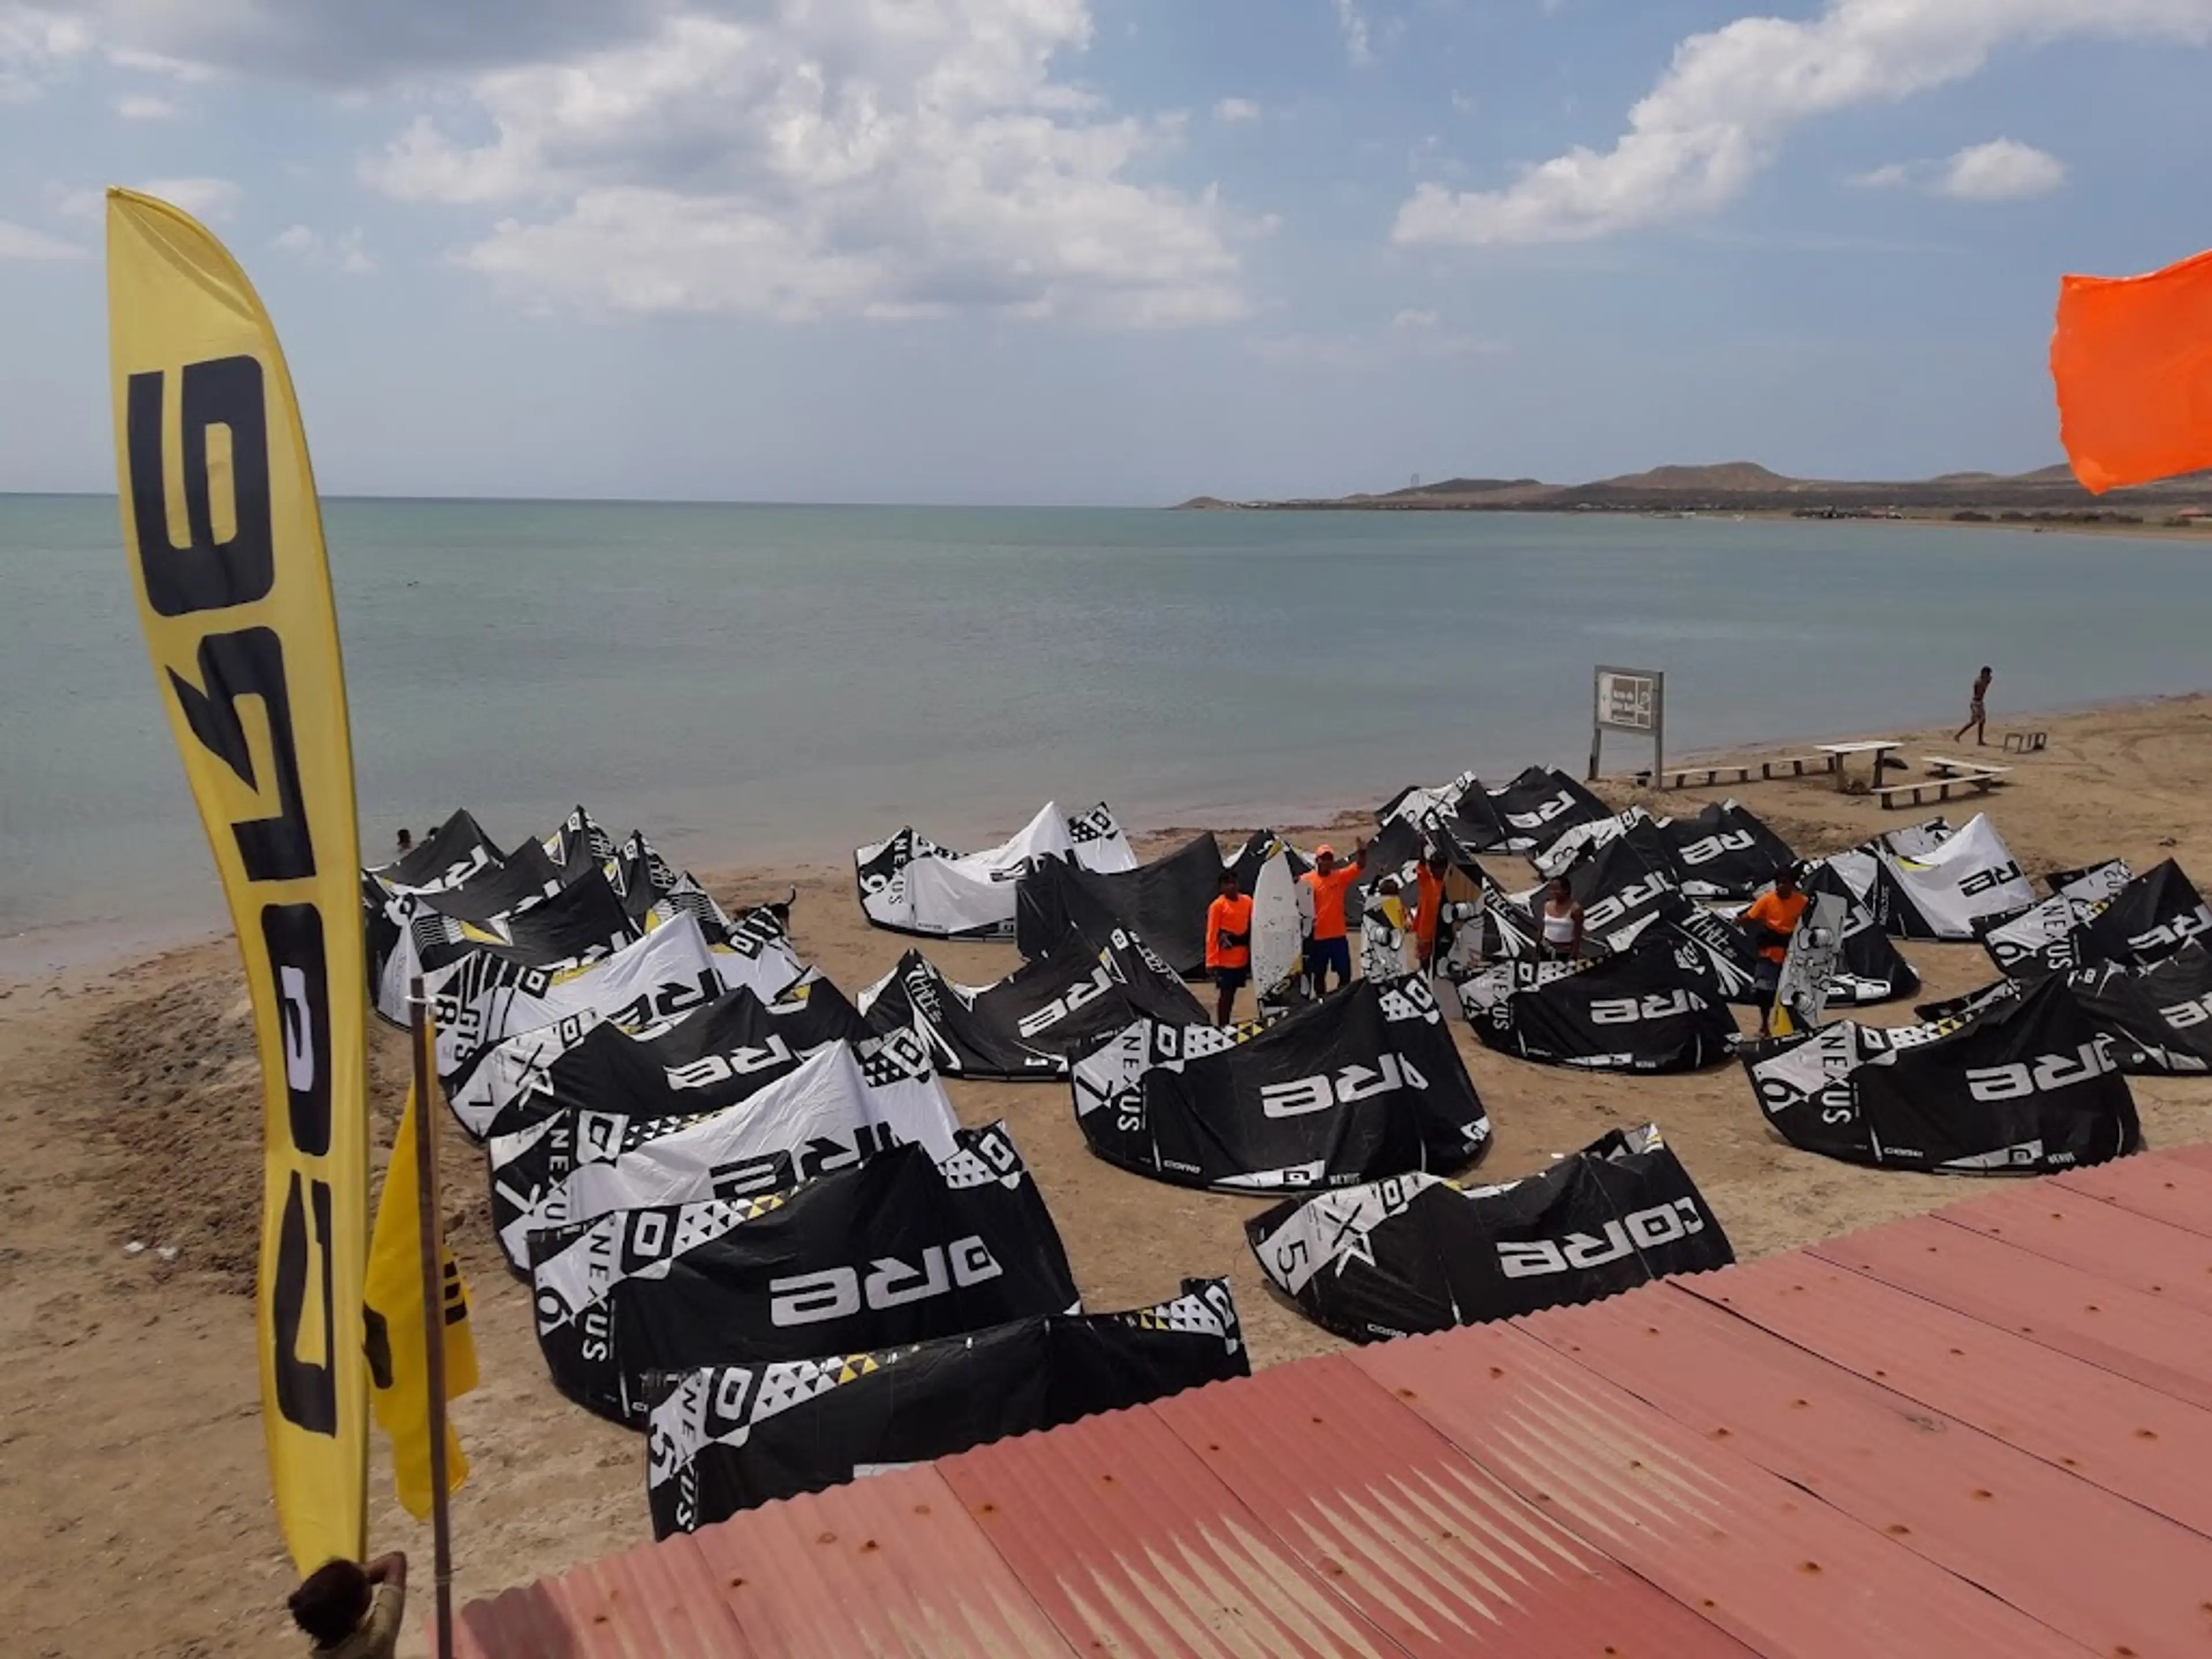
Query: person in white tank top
(1561, 919)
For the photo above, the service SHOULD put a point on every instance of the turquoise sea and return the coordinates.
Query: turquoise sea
(784, 682)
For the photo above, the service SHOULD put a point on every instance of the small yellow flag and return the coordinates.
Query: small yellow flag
(398, 1364)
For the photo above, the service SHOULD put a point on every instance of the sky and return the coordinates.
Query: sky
(1111, 252)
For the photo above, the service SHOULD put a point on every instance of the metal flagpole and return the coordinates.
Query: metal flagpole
(434, 1314)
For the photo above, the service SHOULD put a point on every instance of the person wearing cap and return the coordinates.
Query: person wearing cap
(1328, 882)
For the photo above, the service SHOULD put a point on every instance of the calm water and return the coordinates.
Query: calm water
(759, 681)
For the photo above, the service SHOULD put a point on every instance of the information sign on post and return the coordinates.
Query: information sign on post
(1629, 700)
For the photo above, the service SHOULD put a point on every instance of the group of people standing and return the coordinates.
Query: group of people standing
(1558, 914)
(1327, 948)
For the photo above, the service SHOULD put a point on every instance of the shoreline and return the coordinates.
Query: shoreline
(48, 950)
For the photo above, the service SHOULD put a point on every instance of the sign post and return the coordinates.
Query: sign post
(1629, 700)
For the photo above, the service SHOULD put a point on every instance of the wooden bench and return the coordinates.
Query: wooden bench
(1944, 767)
(1707, 777)
(2025, 743)
(1928, 791)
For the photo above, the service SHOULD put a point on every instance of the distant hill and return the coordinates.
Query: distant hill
(1747, 487)
(1733, 476)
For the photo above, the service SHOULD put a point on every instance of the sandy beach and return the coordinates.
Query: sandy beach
(134, 1507)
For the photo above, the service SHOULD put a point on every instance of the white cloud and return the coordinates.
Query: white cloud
(35, 42)
(1725, 104)
(2000, 171)
(20, 242)
(143, 108)
(1893, 175)
(1405, 319)
(1358, 39)
(1232, 110)
(204, 199)
(882, 161)
(347, 251)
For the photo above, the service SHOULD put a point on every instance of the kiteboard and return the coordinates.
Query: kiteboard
(1800, 996)
(1277, 933)
(1383, 937)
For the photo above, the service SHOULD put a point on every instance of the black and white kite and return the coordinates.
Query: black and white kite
(2143, 919)
(1541, 805)
(731, 1437)
(1953, 890)
(1459, 816)
(2025, 1086)
(1418, 1252)
(1655, 1006)
(1030, 1025)
(909, 884)
(901, 1249)
(486, 998)
(1364, 1083)
(446, 857)
(2158, 1015)
(1163, 903)
(1725, 851)
(831, 1111)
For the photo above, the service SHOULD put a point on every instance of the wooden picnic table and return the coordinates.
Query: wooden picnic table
(1842, 754)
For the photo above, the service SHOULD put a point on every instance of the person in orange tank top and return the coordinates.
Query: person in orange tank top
(1329, 881)
(1229, 944)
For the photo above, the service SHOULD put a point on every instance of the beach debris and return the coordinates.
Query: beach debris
(136, 1246)
(168, 1253)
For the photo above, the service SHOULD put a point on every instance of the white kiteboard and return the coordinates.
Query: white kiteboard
(1277, 934)
(1801, 997)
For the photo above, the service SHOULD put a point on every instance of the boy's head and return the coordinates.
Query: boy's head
(332, 1602)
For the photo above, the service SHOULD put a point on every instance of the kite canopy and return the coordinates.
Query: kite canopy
(796, 1117)
(2025, 1085)
(730, 1437)
(2158, 1015)
(1364, 1083)
(1418, 1252)
(2130, 358)
(1031, 1024)
(1163, 902)
(909, 884)
(1655, 1006)
(901, 1249)
(2140, 919)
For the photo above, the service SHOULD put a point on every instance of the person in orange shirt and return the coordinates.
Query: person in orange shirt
(1329, 948)
(1229, 944)
(1429, 906)
(1771, 920)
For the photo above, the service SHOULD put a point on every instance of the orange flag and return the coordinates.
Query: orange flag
(2132, 360)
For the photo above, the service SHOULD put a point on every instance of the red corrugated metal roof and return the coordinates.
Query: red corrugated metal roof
(2126, 1438)
(1433, 1550)
(1774, 1565)
(2130, 1332)
(1633, 1478)
(891, 1565)
(1131, 1545)
(2117, 1576)
(2130, 1249)
(2197, 1157)
(2179, 1194)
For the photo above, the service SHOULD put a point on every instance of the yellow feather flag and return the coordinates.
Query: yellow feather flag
(225, 539)
(398, 1361)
